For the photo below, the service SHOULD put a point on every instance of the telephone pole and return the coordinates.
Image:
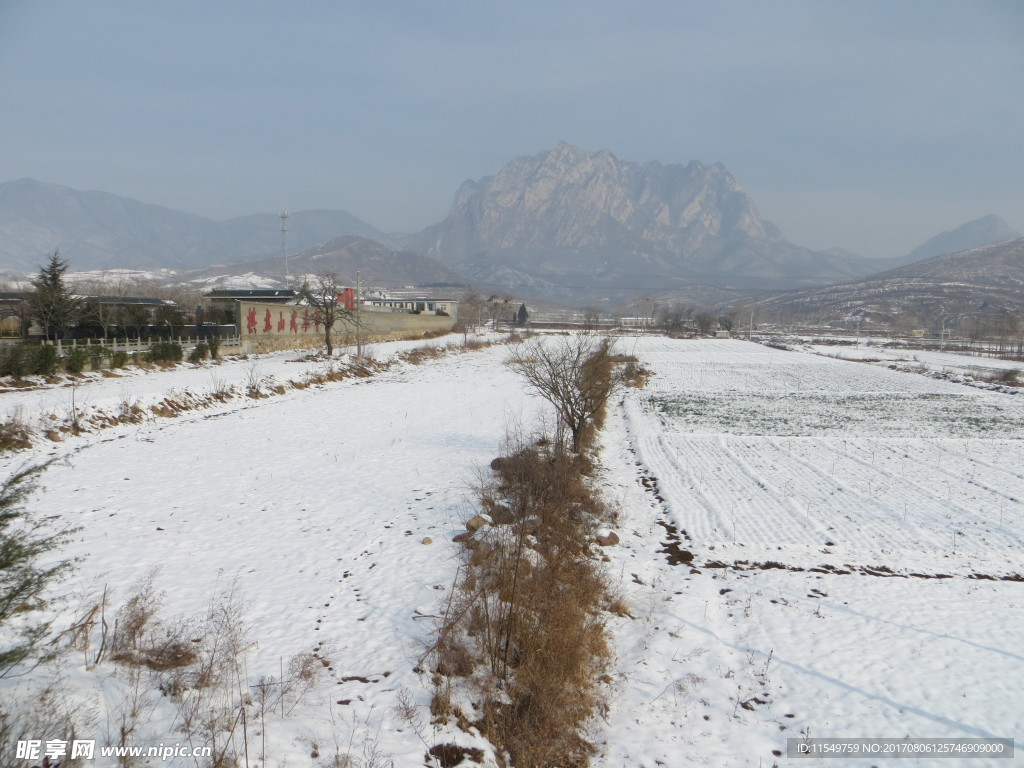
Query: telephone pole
(359, 325)
(284, 247)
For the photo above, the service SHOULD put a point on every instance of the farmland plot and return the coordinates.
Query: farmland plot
(327, 511)
(823, 548)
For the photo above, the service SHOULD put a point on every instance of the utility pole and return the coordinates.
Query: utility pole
(284, 247)
(359, 328)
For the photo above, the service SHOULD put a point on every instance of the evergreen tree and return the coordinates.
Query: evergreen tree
(24, 539)
(52, 303)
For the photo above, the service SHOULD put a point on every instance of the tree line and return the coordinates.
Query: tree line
(57, 308)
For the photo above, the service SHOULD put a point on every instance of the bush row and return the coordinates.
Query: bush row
(43, 360)
(27, 360)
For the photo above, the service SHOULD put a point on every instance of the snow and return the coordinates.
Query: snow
(768, 456)
(315, 504)
(918, 359)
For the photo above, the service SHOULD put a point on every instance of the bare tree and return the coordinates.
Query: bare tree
(705, 321)
(499, 309)
(471, 309)
(324, 296)
(576, 374)
(98, 311)
(591, 317)
(674, 317)
(133, 316)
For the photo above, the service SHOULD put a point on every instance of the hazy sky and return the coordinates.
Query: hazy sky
(866, 125)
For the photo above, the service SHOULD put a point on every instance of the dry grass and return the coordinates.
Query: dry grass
(633, 374)
(523, 634)
(525, 631)
(15, 434)
(34, 709)
(1011, 377)
(435, 334)
(422, 354)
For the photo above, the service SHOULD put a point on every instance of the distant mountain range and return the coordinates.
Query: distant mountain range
(980, 282)
(974, 234)
(98, 230)
(566, 224)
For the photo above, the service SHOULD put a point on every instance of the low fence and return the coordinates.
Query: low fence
(139, 345)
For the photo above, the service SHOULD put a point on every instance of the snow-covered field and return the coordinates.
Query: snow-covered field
(314, 504)
(918, 360)
(849, 528)
(809, 546)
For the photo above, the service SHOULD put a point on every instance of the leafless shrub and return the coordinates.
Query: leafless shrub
(254, 380)
(304, 673)
(220, 390)
(210, 703)
(575, 374)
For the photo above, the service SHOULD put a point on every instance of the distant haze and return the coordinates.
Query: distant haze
(869, 125)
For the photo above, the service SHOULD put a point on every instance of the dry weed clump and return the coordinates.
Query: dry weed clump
(1011, 377)
(15, 434)
(420, 355)
(129, 411)
(635, 376)
(435, 334)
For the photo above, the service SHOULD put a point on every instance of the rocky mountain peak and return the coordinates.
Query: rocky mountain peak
(568, 203)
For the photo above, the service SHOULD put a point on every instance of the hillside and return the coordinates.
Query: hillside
(982, 281)
(377, 265)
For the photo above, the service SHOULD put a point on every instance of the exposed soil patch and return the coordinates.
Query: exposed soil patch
(675, 554)
(882, 571)
(449, 755)
(650, 484)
